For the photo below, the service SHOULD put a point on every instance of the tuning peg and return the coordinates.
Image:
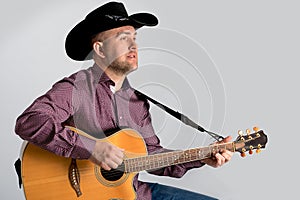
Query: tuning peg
(258, 150)
(250, 151)
(240, 132)
(255, 128)
(248, 131)
(243, 153)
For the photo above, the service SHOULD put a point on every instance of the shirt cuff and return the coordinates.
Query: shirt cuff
(83, 148)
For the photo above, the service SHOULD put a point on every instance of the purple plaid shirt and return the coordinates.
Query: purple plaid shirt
(86, 101)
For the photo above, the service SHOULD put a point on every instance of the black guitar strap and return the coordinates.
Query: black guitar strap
(179, 116)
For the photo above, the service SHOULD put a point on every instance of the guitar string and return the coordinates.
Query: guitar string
(152, 165)
(133, 163)
(144, 166)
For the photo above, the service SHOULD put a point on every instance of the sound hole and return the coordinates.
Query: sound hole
(113, 174)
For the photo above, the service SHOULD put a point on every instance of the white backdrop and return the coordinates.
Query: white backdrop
(228, 65)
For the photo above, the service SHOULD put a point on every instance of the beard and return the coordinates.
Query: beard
(121, 67)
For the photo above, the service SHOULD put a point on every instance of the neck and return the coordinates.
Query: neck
(117, 78)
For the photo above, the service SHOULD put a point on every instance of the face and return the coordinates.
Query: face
(120, 49)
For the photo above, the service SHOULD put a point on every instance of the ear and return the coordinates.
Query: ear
(97, 46)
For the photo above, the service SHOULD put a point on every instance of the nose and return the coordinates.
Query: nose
(133, 45)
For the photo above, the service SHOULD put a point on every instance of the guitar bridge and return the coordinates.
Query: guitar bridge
(74, 177)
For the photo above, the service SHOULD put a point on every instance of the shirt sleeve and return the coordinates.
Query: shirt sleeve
(153, 146)
(42, 123)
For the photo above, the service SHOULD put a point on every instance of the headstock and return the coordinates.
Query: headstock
(249, 142)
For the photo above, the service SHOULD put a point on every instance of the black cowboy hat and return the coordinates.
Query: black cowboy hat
(108, 16)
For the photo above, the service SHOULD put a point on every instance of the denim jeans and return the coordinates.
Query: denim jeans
(163, 192)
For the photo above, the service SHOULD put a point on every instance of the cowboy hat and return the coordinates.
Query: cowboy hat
(108, 16)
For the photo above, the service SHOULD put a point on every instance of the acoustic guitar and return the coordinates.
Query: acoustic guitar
(48, 176)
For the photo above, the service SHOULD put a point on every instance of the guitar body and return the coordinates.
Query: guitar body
(47, 176)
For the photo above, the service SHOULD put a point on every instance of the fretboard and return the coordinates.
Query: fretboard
(166, 159)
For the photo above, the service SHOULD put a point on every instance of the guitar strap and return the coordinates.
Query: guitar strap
(179, 116)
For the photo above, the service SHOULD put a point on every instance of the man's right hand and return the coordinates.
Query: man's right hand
(107, 155)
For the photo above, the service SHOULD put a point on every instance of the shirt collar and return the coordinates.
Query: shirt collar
(100, 75)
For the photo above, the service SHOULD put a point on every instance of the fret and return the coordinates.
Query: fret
(198, 154)
(159, 161)
(138, 164)
(127, 165)
(185, 156)
(175, 158)
(155, 161)
(152, 163)
(141, 164)
(181, 157)
(190, 154)
(130, 165)
(172, 158)
(193, 153)
(169, 159)
(147, 164)
(134, 164)
(165, 159)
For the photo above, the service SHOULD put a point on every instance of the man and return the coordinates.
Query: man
(100, 99)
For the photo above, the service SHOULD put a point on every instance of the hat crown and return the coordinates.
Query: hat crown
(110, 8)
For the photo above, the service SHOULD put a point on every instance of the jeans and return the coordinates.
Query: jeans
(163, 192)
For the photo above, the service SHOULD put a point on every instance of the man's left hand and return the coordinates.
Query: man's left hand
(221, 157)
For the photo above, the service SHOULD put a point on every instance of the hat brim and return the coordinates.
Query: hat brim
(78, 42)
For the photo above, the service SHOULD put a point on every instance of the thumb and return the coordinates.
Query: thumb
(227, 139)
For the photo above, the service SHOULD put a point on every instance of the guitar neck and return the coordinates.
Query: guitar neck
(160, 160)
(256, 140)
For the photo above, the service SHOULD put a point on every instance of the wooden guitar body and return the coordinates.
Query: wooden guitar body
(46, 176)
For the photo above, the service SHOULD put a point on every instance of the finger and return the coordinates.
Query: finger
(112, 164)
(105, 166)
(220, 159)
(226, 151)
(117, 156)
(120, 154)
(116, 159)
(227, 139)
(227, 154)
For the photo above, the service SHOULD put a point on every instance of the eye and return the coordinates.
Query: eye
(124, 38)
